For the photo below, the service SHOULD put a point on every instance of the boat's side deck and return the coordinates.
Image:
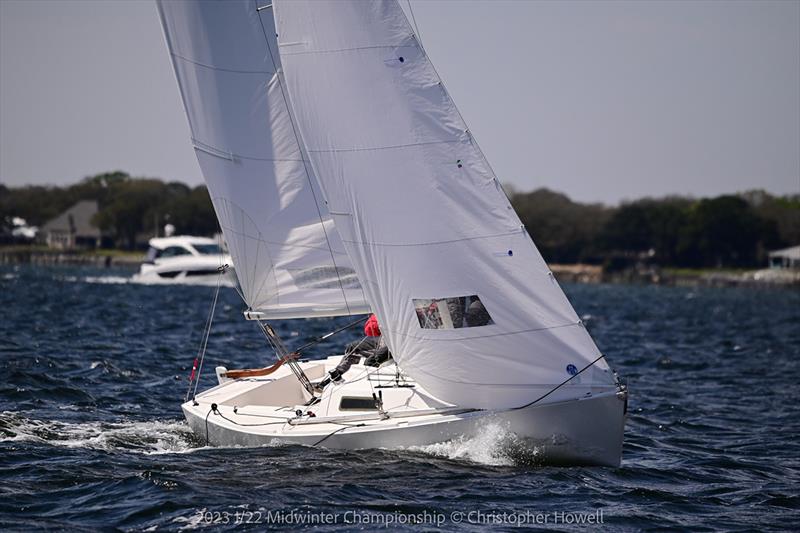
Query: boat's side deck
(365, 393)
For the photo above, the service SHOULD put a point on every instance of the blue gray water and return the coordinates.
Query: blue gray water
(91, 434)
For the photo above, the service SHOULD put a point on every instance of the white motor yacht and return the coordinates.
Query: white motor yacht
(184, 259)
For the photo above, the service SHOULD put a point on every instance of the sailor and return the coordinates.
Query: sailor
(373, 347)
(370, 347)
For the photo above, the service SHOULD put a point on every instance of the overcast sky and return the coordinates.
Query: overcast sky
(604, 101)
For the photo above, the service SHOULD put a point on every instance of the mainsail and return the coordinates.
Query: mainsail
(289, 258)
(466, 303)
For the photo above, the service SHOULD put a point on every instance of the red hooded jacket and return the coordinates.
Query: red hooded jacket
(371, 328)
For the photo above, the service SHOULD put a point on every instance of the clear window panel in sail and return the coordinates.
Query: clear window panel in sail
(451, 313)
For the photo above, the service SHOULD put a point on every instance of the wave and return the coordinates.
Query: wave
(107, 280)
(136, 280)
(159, 436)
(493, 445)
(207, 281)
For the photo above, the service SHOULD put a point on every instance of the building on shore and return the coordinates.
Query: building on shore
(73, 228)
(785, 258)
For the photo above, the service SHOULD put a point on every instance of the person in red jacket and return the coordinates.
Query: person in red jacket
(371, 328)
(371, 347)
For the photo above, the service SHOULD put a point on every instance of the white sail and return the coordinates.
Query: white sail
(466, 303)
(288, 256)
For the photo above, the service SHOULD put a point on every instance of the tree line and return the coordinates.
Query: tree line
(725, 231)
(731, 231)
(131, 210)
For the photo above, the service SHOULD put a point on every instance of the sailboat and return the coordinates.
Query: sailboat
(345, 182)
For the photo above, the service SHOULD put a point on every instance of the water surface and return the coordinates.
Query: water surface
(91, 433)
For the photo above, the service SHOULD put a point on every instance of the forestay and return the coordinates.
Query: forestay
(288, 256)
(465, 300)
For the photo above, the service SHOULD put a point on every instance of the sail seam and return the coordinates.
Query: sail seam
(209, 149)
(508, 333)
(472, 140)
(220, 69)
(433, 243)
(288, 311)
(281, 244)
(339, 50)
(212, 151)
(388, 147)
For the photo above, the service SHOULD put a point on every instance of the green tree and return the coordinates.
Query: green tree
(783, 211)
(647, 225)
(564, 231)
(725, 232)
(128, 207)
(193, 213)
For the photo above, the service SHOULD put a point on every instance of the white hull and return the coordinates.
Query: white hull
(588, 430)
(183, 277)
(184, 259)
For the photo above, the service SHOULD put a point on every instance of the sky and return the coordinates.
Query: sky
(604, 101)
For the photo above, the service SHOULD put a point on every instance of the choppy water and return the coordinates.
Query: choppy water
(91, 434)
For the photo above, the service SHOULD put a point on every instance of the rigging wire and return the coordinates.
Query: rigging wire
(283, 354)
(329, 335)
(414, 21)
(194, 377)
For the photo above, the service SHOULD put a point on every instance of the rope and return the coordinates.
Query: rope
(328, 335)
(201, 353)
(332, 433)
(263, 416)
(218, 413)
(576, 374)
(414, 20)
(326, 437)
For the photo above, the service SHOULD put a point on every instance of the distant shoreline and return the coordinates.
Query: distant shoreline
(39, 255)
(569, 273)
(679, 277)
